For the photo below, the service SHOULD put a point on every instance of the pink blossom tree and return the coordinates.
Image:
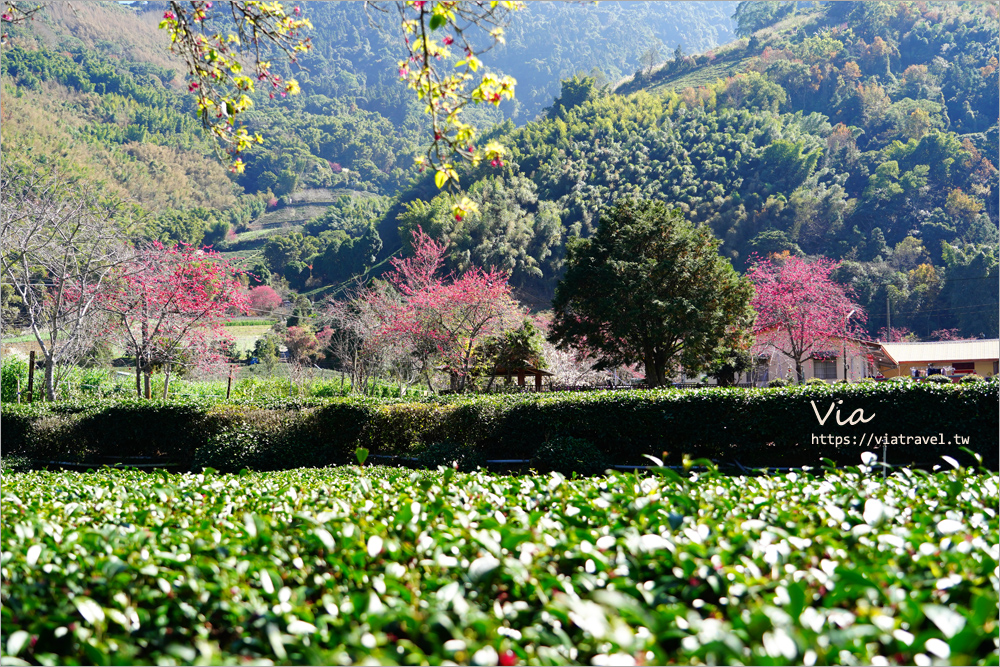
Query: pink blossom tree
(169, 305)
(306, 346)
(895, 334)
(801, 311)
(946, 334)
(446, 316)
(263, 300)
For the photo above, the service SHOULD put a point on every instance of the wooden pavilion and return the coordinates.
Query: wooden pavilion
(522, 373)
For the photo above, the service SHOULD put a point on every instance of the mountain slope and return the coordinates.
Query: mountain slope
(354, 125)
(861, 131)
(830, 137)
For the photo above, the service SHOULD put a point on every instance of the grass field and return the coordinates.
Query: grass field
(288, 215)
(23, 338)
(304, 205)
(245, 333)
(390, 566)
(246, 336)
(249, 321)
(323, 195)
(261, 234)
(23, 346)
(23, 343)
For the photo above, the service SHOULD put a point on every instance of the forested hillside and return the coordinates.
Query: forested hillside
(95, 88)
(353, 113)
(866, 132)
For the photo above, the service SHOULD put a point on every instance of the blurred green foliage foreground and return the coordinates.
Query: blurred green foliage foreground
(345, 565)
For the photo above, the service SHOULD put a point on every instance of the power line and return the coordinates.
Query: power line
(955, 280)
(995, 305)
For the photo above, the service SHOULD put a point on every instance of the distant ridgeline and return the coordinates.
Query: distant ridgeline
(866, 132)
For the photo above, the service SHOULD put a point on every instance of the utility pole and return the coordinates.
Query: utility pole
(843, 340)
(31, 376)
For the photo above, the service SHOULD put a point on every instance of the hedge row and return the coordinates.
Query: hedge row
(756, 427)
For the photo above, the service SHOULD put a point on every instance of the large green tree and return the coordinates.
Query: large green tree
(970, 290)
(650, 287)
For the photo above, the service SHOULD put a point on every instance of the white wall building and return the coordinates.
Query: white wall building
(829, 363)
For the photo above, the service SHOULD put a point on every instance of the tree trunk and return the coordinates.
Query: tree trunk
(147, 379)
(799, 373)
(654, 368)
(146, 345)
(465, 377)
(138, 377)
(50, 378)
(660, 376)
(31, 377)
(166, 381)
(354, 372)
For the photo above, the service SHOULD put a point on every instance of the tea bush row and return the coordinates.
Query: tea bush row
(384, 566)
(755, 427)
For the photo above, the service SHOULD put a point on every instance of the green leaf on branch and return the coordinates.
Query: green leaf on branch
(362, 455)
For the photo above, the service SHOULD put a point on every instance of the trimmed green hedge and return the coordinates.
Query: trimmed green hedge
(775, 427)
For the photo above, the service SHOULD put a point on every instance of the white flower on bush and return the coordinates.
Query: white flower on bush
(487, 655)
(374, 546)
(874, 513)
(780, 644)
(614, 659)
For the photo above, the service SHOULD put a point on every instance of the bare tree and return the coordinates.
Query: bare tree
(650, 59)
(354, 341)
(362, 345)
(60, 240)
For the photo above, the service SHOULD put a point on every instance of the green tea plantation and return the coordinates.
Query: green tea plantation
(389, 566)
